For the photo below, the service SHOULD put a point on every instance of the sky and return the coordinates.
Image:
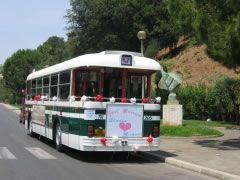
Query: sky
(26, 24)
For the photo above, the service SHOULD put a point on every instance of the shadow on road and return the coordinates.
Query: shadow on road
(101, 157)
(229, 144)
(165, 153)
(108, 157)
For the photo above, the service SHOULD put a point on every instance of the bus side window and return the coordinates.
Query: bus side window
(28, 97)
(87, 84)
(64, 85)
(33, 88)
(46, 86)
(54, 85)
(39, 86)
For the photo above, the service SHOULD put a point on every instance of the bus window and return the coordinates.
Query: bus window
(113, 84)
(34, 83)
(28, 90)
(33, 88)
(54, 79)
(65, 77)
(64, 85)
(39, 86)
(46, 86)
(87, 83)
(46, 82)
(54, 85)
(39, 82)
(64, 91)
(135, 86)
(33, 93)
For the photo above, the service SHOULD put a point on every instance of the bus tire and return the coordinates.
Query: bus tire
(58, 138)
(30, 129)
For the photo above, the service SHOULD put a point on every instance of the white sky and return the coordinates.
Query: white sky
(28, 23)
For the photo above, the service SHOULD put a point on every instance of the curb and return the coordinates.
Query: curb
(190, 166)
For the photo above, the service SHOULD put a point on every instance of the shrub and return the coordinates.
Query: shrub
(227, 93)
(221, 102)
(193, 99)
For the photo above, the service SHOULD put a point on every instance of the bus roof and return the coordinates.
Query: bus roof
(102, 59)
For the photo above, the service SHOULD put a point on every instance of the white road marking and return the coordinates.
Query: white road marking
(6, 154)
(39, 153)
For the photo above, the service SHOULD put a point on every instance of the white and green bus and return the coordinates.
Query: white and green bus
(96, 102)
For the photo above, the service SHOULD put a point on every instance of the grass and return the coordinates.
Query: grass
(18, 106)
(193, 128)
(208, 124)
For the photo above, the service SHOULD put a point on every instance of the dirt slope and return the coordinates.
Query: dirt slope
(197, 67)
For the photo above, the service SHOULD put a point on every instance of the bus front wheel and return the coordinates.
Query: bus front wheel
(58, 138)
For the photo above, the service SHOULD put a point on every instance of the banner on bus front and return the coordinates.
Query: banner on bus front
(124, 120)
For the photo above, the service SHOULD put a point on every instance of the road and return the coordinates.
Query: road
(26, 158)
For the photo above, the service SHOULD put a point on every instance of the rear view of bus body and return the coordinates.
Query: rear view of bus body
(96, 102)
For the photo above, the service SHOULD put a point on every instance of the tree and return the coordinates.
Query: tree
(101, 25)
(16, 69)
(215, 23)
(105, 25)
(53, 51)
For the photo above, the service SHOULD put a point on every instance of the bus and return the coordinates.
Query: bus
(96, 102)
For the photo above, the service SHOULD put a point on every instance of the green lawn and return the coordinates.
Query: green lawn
(18, 106)
(193, 128)
(205, 123)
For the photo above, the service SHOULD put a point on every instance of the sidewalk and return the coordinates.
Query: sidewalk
(218, 157)
(10, 107)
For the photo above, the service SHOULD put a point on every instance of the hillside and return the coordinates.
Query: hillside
(197, 67)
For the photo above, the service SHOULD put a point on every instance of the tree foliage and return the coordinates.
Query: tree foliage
(23, 62)
(53, 51)
(103, 25)
(17, 68)
(216, 23)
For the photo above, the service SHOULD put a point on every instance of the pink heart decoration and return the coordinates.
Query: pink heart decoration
(125, 126)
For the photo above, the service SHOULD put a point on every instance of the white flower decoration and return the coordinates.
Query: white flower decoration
(84, 98)
(72, 98)
(54, 98)
(44, 98)
(158, 99)
(112, 100)
(133, 100)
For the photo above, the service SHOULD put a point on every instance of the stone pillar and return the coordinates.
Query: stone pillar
(172, 111)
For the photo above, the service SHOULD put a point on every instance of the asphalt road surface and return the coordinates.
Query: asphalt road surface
(25, 158)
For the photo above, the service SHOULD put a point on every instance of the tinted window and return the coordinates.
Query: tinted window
(53, 91)
(46, 91)
(45, 81)
(64, 91)
(39, 91)
(39, 82)
(54, 79)
(34, 83)
(65, 77)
